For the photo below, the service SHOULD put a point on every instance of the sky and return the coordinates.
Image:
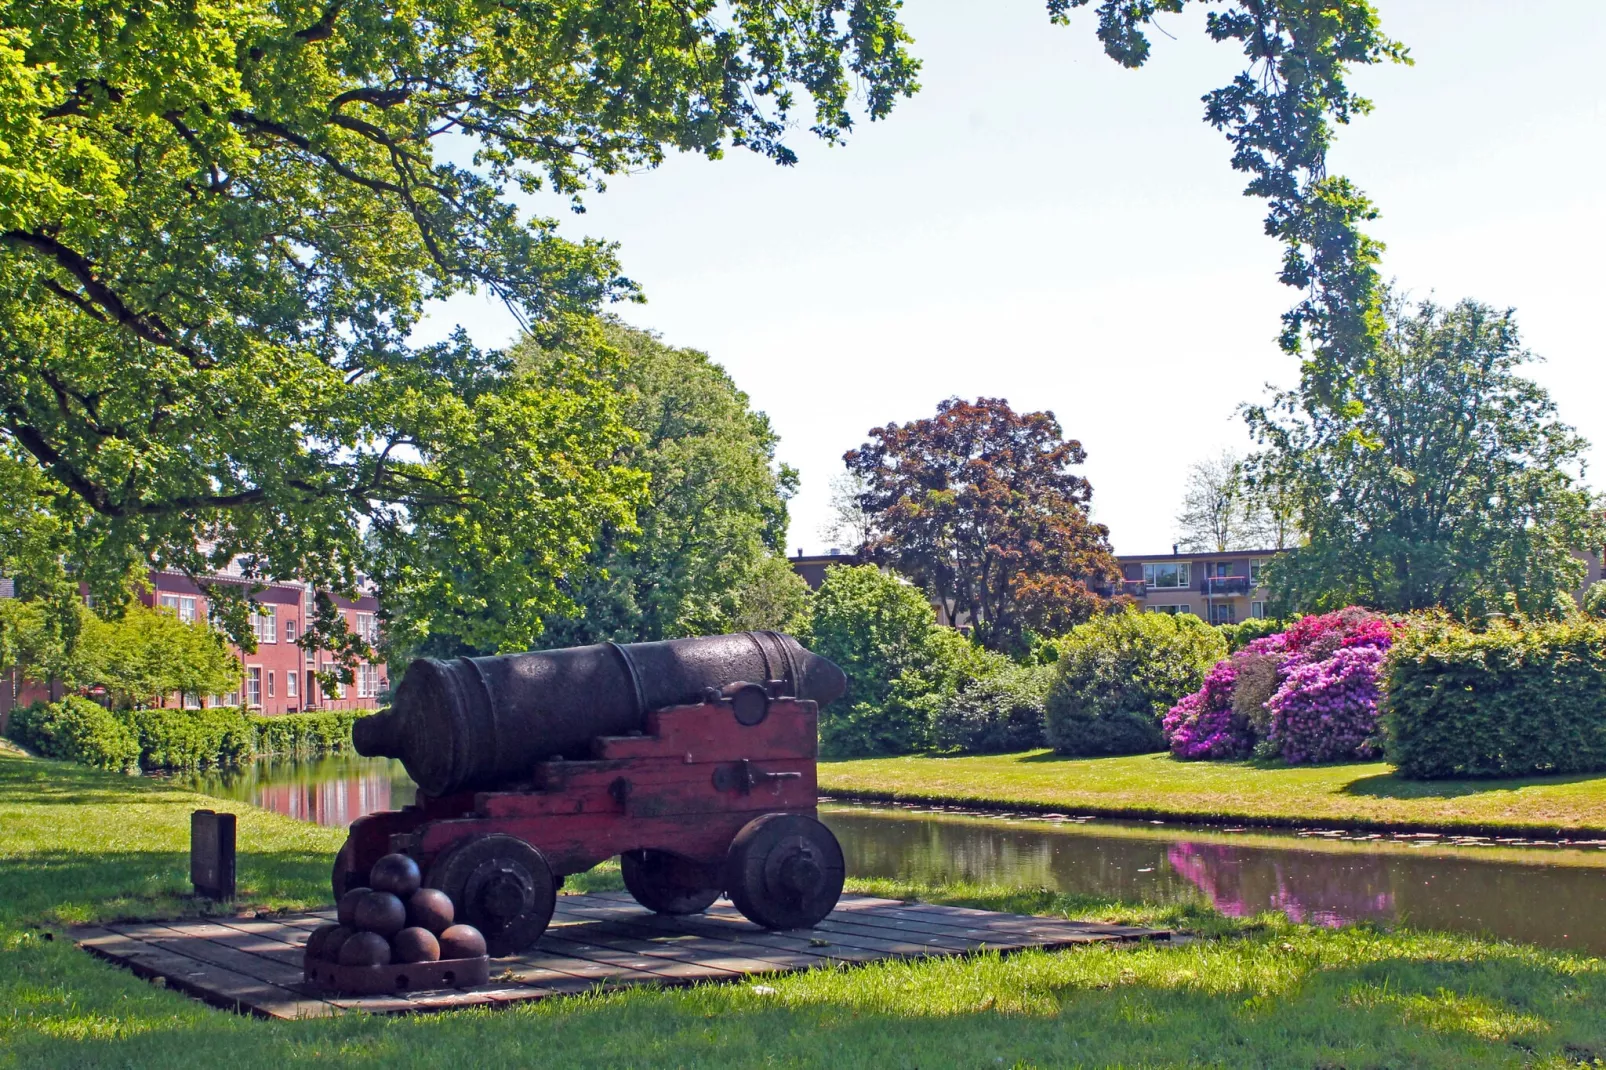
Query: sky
(1042, 225)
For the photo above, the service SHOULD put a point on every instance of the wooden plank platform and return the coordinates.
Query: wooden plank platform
(253, 965)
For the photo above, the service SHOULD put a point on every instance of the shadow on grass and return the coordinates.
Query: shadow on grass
(1074, 1008)
(76, 887)
(1390, 786)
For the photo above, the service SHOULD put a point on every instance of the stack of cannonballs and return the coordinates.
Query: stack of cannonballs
(394, 921)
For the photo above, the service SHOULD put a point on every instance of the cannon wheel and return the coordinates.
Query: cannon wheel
(784, 871)
(500, 885)
(666, 883)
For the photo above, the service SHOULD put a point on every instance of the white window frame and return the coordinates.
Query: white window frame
(367, 680)
(265, 623)
(367, 627)
(290, 629)
(1184, 575)
(1228, 610)
(270, 684)
(1257, 610)
(292, 683)
(1256, 565)
(1170, 608)
(253, 687)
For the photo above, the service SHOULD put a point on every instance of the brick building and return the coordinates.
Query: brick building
(280, 677)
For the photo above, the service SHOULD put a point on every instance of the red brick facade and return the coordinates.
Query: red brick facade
(280, 677)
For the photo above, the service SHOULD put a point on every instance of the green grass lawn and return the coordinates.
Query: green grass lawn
(1358, 794)
(76, 845)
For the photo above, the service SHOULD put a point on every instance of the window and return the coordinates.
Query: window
(1257, 609)
(270, 683)
(290, 680)
(368, 628)
(290, 630)
(183, 606)
(367, 681)
(231, 698)
(1167, 575)
(1168, 609)
(1223, 613)
(265, 624)
(192, 702)
(253, 686)
(1223, 569)
(1255, 565)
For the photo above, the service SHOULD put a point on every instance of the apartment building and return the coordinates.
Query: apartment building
(1223, 588)
(280, 677)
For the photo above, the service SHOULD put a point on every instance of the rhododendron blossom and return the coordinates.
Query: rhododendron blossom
(1324, 706)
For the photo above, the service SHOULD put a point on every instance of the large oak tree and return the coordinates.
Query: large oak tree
(980, 505)
(220, 221)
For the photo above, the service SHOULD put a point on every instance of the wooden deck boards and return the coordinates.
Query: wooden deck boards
(253, 965)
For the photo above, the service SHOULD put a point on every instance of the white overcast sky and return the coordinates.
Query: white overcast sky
(1042, 225)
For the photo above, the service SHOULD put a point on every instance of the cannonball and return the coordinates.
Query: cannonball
(396, 874)
(365, 949)
(462, 942)
(380, 912)
(316, 940)
(415, 945)
(430, 908)
(333, 941)
(346, 909)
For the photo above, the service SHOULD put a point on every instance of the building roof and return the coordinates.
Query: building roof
(1195, 555)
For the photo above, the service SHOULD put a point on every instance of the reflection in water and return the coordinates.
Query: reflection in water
(1550, 896)
(328, 791)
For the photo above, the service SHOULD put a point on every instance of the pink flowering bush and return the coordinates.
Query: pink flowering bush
(1326, 710)
(1204, 724)
(1308, 694)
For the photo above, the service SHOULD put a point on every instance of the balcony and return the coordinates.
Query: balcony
(1224, 585)
(1134, 588)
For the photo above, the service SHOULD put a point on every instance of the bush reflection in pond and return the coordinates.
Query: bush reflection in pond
(1317, 889)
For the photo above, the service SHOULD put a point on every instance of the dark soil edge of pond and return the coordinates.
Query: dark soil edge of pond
(983, 805)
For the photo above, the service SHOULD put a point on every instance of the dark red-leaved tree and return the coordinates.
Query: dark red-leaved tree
(979, 505)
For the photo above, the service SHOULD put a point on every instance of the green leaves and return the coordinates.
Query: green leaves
(1278, 116)
(1448, 483)
(220, 223)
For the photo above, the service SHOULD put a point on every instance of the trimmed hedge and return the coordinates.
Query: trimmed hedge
(1510, 701)
(76, 730)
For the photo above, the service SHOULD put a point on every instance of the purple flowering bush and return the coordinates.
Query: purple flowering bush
(1326, 710)
(1309, 694)
(1204, 724)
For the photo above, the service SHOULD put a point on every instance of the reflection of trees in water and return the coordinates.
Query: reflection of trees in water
(1319, 888)
(938, 851)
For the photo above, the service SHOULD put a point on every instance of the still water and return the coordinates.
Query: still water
(1555, 896)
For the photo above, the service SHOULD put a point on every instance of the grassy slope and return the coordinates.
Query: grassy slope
(77, 845)
(1156, 785)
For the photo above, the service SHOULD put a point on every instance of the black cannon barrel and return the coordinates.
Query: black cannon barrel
(482, 723)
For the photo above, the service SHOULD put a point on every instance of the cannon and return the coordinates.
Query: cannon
(693, 760)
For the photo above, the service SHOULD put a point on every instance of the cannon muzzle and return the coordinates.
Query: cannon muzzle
(483, 723)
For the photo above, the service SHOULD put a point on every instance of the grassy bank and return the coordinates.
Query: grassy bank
(1357, 794)
(77, 845)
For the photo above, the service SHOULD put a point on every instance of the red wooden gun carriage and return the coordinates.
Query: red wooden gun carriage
(693, 760)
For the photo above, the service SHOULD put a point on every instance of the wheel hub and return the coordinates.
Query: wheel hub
(500, 891)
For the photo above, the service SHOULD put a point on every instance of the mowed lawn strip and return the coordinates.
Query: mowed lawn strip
(1357, 794)
(82, 846)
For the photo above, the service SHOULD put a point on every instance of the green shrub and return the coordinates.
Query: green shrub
(1118, 675)
(76, 730)
(900, 663)
(192, 739)
(304, 735)
(1595, 600)
(1245, 632)
(994, 714)
(1510, 701)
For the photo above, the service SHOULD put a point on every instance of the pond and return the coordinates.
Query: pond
(1549, 895)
